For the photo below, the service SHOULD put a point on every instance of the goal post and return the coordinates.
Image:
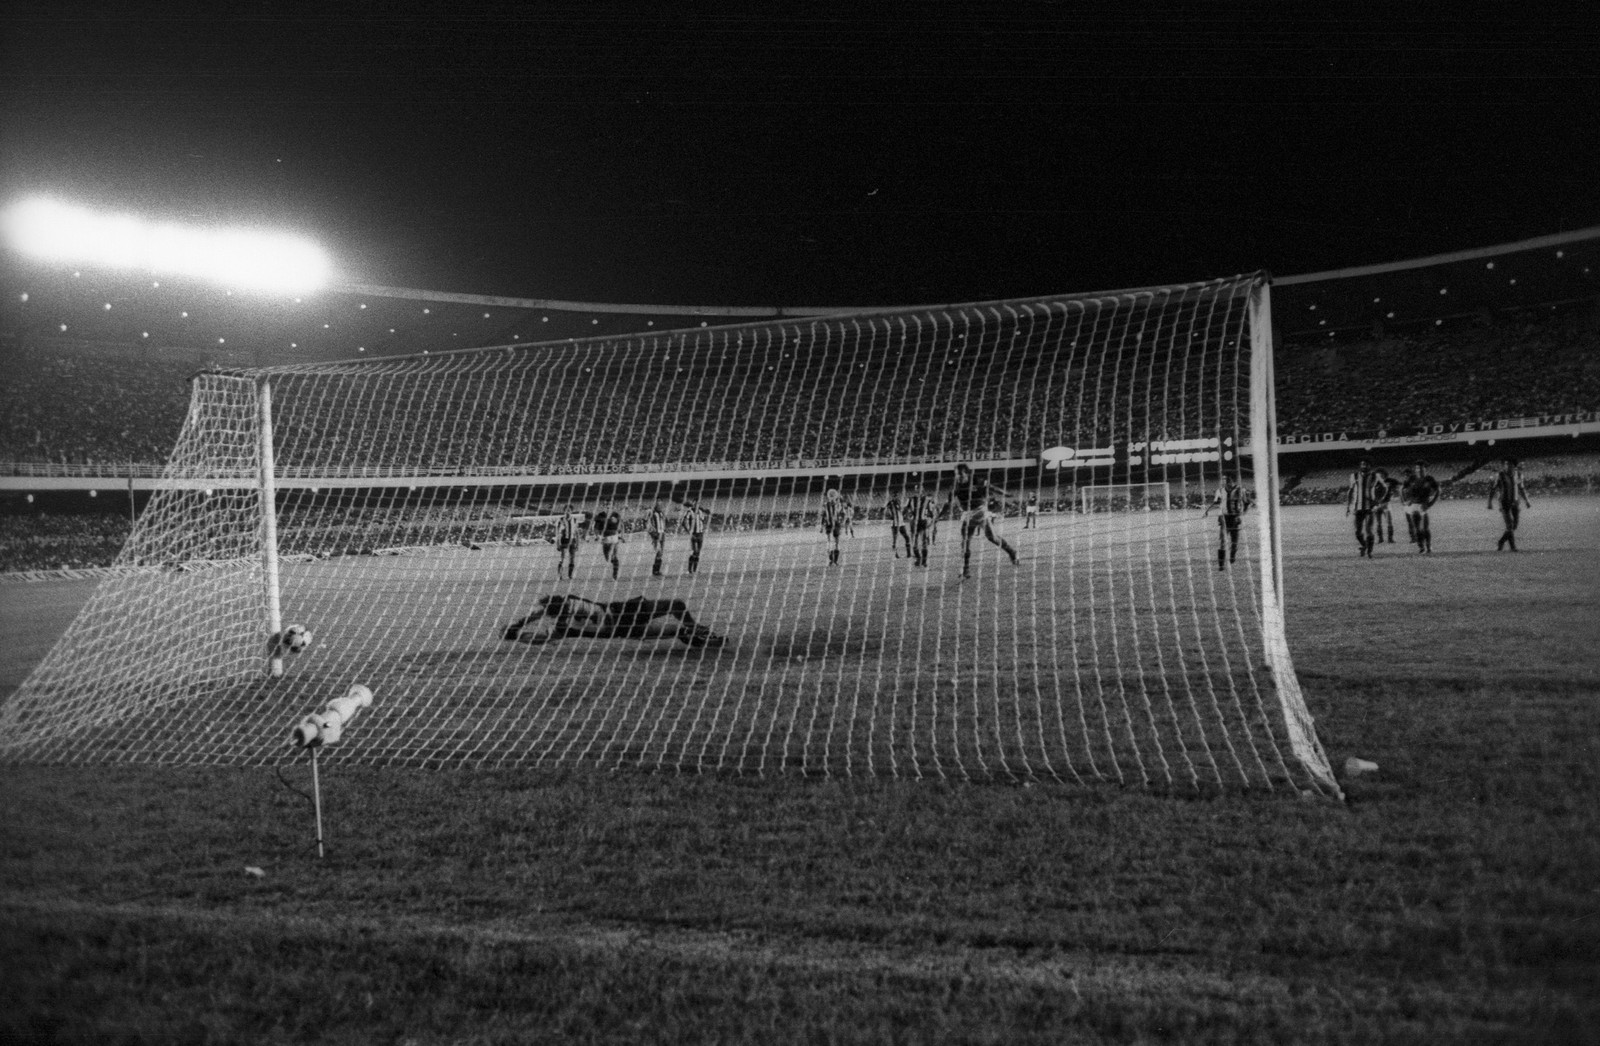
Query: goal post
(272, 597)
(698, 550)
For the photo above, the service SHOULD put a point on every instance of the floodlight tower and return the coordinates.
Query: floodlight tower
(258, 260)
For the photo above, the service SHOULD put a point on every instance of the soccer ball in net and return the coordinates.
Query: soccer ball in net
(296, 638)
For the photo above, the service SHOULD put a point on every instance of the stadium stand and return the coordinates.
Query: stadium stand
(96, 403)
(60, 541)
(1536, 362)
(73, 403)
(1504, 331)
(97, 369)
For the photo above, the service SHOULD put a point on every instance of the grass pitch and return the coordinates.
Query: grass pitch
(1452, 898)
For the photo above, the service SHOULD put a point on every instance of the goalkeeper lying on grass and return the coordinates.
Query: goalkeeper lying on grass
(558, 617)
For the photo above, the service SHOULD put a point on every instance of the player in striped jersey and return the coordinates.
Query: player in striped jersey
(1383, 491)
(835, 520)
(972, 494)
(1512, 495)
(1361, 499)
(899, 527)
(696, 521)
(1233, 501)
(1417, 495)
(567, 540)
(922, 515)
(656, 526)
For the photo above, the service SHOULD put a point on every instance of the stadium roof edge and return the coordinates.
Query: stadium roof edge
(780, 311)
(751, 312)
(1553, 240)
(757, 311)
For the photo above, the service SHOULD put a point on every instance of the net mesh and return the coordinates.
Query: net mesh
(418, 505)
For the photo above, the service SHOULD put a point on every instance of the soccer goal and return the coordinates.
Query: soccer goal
(1127, 497)
(736, 549)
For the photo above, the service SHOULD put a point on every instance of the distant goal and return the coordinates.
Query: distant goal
(1129, 497)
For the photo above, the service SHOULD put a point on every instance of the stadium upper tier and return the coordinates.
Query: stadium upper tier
(67, 403)
(1541, 362)
(97, 364)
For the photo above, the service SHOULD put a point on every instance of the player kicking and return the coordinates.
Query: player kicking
(567, 541)
(1363, 496)
(835, 519)
(971, 494)
(1233, 501)
(1512, 495)
(1418, 494)
(656, 526)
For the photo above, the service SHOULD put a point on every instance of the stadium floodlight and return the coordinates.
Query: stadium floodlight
(248, 259)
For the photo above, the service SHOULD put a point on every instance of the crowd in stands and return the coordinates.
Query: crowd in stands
(115, 405)
(74, 404)
(1524, 366)
(713, 402)
(565, 408)
(56, 541)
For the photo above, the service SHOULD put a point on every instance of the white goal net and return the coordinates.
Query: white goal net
(753, 582)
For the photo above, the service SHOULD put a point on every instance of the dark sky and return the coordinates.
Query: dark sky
(884, 153)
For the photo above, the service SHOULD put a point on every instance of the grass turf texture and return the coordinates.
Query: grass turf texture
(1453, 898)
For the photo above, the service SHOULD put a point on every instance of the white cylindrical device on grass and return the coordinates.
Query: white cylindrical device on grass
(327, 726)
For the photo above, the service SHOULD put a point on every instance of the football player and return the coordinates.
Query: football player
(1233, 501)
(1512, 495)
(971, 495)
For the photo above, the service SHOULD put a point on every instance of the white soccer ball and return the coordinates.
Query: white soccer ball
(296, 638)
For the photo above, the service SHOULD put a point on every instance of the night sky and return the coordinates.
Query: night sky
(786, 155)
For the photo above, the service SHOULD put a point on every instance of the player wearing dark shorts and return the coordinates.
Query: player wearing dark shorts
(1511, 495)
(835, 522)
(1383, 491)
(899, 526)
(567, 541)
(1233, 502)
(971, 495)
(609, 526)
(1360, 502)
(695, 522)
(562, 617)
(1418, 494)
(656, 527)
(922, 515)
